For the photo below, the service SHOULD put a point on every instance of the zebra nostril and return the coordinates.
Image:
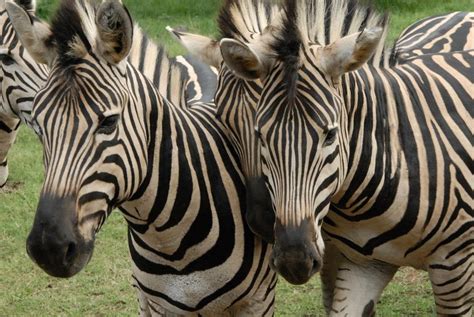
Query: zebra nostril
(315, 267)
(70, 252)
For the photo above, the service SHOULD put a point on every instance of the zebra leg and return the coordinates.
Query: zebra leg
(358, 287)
(453, 285)
(331, 261)
(8, 130)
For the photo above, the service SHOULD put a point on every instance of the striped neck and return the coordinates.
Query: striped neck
(374, 159)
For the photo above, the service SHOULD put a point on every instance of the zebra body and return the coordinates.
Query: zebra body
(169, 168)
(415, 208)
(21, 77)
(383, 151)
(438, 34)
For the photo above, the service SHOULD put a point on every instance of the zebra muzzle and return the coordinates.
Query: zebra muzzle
(54, 242)
(295, 256)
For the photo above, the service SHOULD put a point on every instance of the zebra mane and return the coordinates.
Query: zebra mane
(323, 22)
(242, 19)
(73, 26)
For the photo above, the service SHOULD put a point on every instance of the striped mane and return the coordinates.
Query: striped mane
(243, 19)
(325, 21)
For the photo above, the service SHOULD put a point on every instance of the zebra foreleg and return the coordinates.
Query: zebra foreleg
(358, 287)
(332, 259)
(8, 130)
(453, 285)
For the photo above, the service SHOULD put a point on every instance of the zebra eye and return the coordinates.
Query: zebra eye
(330, 137)
(6, 59)
(108, 124)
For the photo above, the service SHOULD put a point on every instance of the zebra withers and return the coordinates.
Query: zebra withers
(21, 77)
(381, 148)
(111, 140)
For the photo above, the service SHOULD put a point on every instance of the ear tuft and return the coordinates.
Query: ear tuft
(29, 5)
(206, 49)
(115, 29)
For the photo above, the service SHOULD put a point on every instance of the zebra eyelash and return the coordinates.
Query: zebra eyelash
(330, 136)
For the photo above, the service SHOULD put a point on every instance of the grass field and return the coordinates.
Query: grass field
(103, 288)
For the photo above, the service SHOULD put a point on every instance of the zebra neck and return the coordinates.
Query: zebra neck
(373, 153)
(189, 159)
(151, 59)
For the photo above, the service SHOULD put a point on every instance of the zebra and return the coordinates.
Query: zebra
(443, 33)
(395, 188)
(17, 92)
(240, 120)
(111, 140)
(22, 77)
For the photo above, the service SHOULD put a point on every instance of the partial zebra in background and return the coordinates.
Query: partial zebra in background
(21, 77)
(112, 140)
(444, 33)
(383, 150)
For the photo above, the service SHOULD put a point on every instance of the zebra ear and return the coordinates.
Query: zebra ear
(33, 33)
(29, 5)
(206, 49)
(242, 59)
(350, 52)
(115, 31)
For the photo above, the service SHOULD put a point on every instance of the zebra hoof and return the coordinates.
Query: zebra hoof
(3, 175)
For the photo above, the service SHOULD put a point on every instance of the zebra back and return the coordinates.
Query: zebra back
(437, 34)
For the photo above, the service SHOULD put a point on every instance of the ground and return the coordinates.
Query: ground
(103, 288)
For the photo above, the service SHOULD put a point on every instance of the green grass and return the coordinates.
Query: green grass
(103, 288)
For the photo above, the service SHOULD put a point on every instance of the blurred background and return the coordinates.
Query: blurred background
(104, 287)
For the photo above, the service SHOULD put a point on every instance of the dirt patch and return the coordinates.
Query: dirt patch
(411, 276)
(11, 187)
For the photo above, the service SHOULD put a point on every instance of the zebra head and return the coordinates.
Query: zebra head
(83, 115)
(301, 120)
(237, 97)
(302, 124)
